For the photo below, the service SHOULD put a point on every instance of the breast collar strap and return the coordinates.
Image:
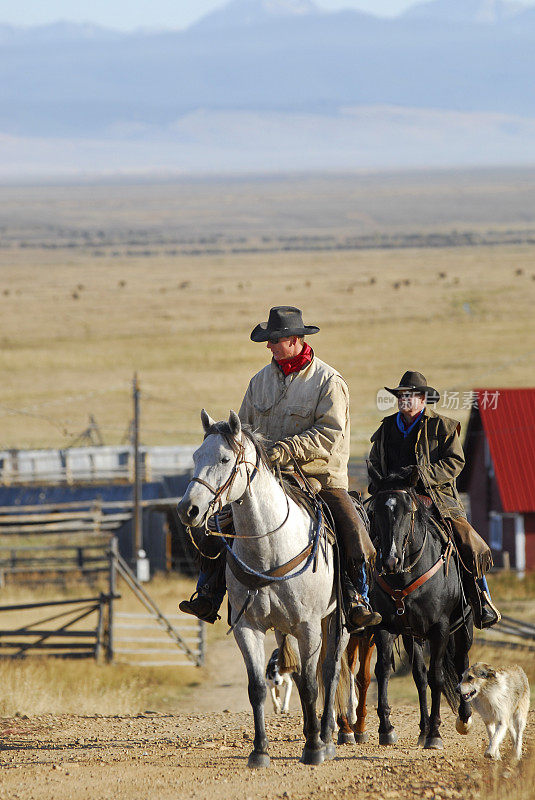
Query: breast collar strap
(399, 595)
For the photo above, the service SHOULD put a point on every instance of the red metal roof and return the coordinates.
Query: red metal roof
(508, 417)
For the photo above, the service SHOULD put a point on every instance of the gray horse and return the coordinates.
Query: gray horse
(280, 575)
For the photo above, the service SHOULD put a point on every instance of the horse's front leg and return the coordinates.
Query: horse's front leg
(366, 647)
(251, 643)
(331, 679)
(463, 641)
(309, 640)
(438, 640)
(384, 641)
(419, 674)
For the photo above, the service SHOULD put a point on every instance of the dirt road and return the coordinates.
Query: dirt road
(201, 752)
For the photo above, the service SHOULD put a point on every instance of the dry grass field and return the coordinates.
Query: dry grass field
(40, 685)
(44, 686)
(430, 272)
(427, 271)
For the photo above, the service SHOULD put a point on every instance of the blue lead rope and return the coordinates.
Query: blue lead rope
(265, 576)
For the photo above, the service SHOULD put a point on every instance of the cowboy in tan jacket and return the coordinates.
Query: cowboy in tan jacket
(301, 406)
(307, 414)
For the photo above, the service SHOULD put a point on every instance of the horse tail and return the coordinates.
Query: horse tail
(451, 678)
(288, 660)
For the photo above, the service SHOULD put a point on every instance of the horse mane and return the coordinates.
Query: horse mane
(258, 441)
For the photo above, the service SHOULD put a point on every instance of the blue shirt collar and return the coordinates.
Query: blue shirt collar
(399, 422)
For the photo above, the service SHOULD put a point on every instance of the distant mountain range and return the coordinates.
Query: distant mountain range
(272, 57)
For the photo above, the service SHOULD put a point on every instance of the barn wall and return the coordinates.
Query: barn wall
(509, 540)
(529, 529)
(481, 488)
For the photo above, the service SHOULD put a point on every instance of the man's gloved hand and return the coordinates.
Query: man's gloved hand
(410, 474)
(278, 455)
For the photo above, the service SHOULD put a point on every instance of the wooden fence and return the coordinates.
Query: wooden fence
(522, 633)
(65, 640)
(89, 627)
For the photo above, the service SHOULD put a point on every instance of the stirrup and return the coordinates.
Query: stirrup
(489, 613)
(194, 606)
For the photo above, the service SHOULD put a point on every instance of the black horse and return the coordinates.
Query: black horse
(418, 593)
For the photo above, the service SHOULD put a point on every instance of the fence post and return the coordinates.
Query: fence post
(112, 591)
(96, 511)
(100, 624)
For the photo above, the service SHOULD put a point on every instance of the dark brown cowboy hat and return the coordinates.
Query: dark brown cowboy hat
(283, 321)
(415, 382)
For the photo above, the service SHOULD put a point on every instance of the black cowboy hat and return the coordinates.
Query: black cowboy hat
(283, 321)
(415, 382)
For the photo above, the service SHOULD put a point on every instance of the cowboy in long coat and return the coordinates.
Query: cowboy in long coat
(301, 405)
(418, 437)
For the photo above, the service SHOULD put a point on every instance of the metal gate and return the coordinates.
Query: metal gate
(143, 640)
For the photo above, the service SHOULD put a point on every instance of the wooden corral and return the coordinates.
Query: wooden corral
(90, 626)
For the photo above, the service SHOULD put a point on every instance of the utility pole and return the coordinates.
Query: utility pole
(142, 563)
(138, 528)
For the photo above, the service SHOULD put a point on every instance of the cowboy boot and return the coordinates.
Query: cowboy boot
(484, 611)
(206, 600)
(358, 612)
(489, 613)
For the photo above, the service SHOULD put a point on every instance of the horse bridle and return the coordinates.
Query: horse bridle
(217, 499)
(227, 485)
(408, 536)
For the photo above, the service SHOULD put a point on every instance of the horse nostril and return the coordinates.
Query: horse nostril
(186, 510)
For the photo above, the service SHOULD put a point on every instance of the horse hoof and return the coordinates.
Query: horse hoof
(388, 738)
(313, 757)
(463, 727)
(361, 738)
(258, 760)
(330, 751)
(434, 743)
(346, 738)
(421, 740)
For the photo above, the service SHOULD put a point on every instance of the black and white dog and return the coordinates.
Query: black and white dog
(278, 681)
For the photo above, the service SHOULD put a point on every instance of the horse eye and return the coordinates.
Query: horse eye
(225, 460)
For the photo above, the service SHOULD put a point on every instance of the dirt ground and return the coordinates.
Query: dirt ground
(201, 752)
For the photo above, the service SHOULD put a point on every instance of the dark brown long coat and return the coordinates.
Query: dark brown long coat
(439, 457)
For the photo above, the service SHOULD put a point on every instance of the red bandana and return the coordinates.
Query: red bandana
(296, 363)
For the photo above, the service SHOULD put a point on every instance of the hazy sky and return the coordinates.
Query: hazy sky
(129, 14)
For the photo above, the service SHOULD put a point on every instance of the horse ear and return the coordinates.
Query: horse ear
(374, 476)
(234, 424)
(207, 421)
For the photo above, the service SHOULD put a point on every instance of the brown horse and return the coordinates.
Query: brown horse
(352, 722)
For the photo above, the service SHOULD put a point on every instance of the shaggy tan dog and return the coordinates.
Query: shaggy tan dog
(501, 696)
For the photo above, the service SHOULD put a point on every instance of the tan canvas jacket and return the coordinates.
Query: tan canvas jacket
(309, 412)
(439, 456)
